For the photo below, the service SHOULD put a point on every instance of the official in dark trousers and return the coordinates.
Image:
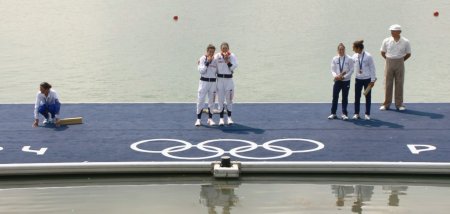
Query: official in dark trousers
(365, 77)
(341, 69)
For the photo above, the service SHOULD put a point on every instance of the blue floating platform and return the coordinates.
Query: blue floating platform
(266, 138)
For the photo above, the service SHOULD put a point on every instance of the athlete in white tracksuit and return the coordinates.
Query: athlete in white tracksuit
(226, 64)
(47, 104)
(207, 66)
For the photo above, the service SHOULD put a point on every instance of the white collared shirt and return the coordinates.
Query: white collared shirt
(395, 50)
(207, 71)
(366, 68)
(222, 65)
(346, 62)
(41, 99)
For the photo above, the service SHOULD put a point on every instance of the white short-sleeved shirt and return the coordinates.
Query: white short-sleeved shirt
(395, 50)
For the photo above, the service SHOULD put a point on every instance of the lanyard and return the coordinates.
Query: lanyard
(361, 62)
(343, 62)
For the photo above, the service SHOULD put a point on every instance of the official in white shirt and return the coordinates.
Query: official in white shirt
(47, 104)
(341, 69)
(396, 50)
(226, 64)
(207, 66)
(365, 76)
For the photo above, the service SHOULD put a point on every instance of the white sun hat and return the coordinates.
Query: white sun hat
(395, 27)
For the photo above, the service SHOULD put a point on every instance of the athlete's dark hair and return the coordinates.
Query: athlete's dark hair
(46, 85)
(358, 44)
(211, 46)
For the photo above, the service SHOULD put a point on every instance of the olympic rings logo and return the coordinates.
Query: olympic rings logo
(206, 146)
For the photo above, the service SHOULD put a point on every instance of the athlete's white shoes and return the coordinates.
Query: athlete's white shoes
(198, 122)
(221, 122)
(356, 117)
(46, 121)
(344, 117)
(230, 121)
(332, 116)
(402, 108)
(383, 108)
(366, 117)
(211, 122)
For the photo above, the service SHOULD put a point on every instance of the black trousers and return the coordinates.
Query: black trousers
(359, 84)
(337, 87)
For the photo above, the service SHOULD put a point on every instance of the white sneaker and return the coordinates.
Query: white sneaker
(402, 108)
(383, 108)
(198, 122)
(344, 117)
(211, 122)
(366, 117)
(230, 121)
(356, 117)
(46, 121)
(221, 122)
(332, 116)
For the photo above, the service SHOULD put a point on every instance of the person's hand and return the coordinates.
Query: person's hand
(226, 57)
(36, 123)
(337, 78)
(209, 58)
(372, 84)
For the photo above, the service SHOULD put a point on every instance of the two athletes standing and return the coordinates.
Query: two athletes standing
(216, 78)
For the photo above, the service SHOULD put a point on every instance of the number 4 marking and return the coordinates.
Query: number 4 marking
(41, 151)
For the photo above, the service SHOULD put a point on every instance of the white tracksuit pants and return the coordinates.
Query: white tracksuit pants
(206, 89)
(225, 91)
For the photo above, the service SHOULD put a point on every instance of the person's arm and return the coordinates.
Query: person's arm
(383, 49)
(333, 70)
(58, 107)
(373, 75)
(408, 51)
(406, 56)
(36, 114)
(202, 65)
(232, 64)
(351, 67)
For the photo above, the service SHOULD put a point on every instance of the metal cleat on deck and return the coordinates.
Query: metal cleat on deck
(226, 168)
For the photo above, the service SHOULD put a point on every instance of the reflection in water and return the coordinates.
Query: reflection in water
(200, 194)
(394, 192)
(219, 195)
(363, 193)
(341, 192)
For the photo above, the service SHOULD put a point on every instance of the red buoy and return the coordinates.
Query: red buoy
(436, 13)
(175, 18)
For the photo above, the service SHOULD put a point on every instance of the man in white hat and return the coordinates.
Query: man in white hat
(396, 50)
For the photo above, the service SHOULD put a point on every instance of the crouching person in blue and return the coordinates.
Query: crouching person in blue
(47, 104)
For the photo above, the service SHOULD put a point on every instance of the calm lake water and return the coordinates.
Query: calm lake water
(133, 51)
(250, 194)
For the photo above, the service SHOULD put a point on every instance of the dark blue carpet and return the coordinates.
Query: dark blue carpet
(110, 129)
